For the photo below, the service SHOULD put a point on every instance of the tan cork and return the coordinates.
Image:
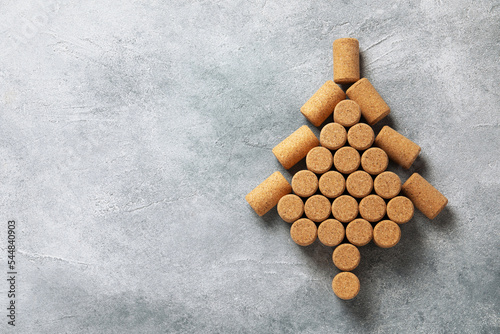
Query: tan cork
(387, 185)
(345, 208)
(386, 234)
(319, 160)
(346, 160)
(372, 208)
(359, 184)
(331, 232)
(322, 103)
(373, 107)
(424, 196)
(333, 136)
(346, 257)
(345, 60)
(304, 183)
(399, 148)
(290, 208)
(346, 285)
(359, 232)
(332, 184)
(374, 161)
(267, 194)
(360, 136)
(295, 147)
(317, 208)
(347, 113)
(400, 209)
(303, 232)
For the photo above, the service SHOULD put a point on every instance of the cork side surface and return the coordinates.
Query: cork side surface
(267, 194)
(424, 196)
(322, 103)
(399, 148)
(295, 147)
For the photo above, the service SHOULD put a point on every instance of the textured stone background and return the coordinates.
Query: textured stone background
(131, 131)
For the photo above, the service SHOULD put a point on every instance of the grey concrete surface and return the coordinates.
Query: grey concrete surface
(131, 131)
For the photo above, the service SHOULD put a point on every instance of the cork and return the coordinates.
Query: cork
(345, 285)
(359, 184)
(322, 103)
(399, 148)
(373, 107)
(400, 209)
(295, 147)
(386, 234)
(424, 196)
(345, 60)
(345, 208)
(317, 208)
(332, 184)
(360, 136)
(304, 183)
(347, 113)
(346, 257)
(319, 160)
(346, 160)
(372, 208)
(303, 232)
(387, 185)
(333, 136)
(267, 194)
(374, 161)
(290, 208)
(359, 232)
(331, 232)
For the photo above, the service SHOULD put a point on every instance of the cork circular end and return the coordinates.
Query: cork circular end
(333, 136)
(346, 160)
(290, 208)
(346, 285)
(317, 208)
(303, 232)
(359, 232)
(346, 257)
(304, 183)
(372, 208)
(374, 161)
(319, 160)
(360, 136)
(332, 184)
(331, 232)
(386, 234)
(400, 210)
(359, 184)
(347, 113)
(387, 185)
(345, 208)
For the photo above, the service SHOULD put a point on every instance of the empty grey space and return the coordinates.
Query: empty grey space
(130, 133)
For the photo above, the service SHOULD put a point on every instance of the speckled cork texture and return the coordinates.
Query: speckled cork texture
(303, 232)
(317, 208)
(345, 208)
(322, 103)
(400, 209)
(359, 184)
(319, 160)
(424, 196)
(346, 257)
(331, 232)
(267, 194)
(290, 208)
(386, 234)
(360, 136)
(346, 160)
(346, 60)
(359, 232)
(332, 184)
(304, 183)
(387, 185)
(333, 136)
(373, 107)
(400, 149)
(374, 161)
(372, 208)
(346, 285)
(347, 113)
(295, 147)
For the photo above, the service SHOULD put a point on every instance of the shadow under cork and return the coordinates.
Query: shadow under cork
(445, 220)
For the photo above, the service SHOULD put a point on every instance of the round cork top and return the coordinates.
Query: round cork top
(346, 160)
(400, 209)
(374, 160)
(347, 113)
(346, 285)
(331, 232)
(345, 208)
(346, 257)
(332, 184)
(386, 234)
(333, 136)
(319, 160)
(317, 208)
(387, 185)
(290, 208)
(359, 232)
(303, 232)
(361, 136)
(304, 183)
(359, 184)
(372, 208)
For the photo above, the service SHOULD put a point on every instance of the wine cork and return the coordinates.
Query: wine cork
(290, 208)
(295, 147)
(346, 257)
(304, 183)
(360, 136)
(345, 208)
(333, 136)
(346, 285)
(346, 160)
(373, 107)
(387, 185)
(347, 113)
(399, 148)
(303, 232)
(319, 160)
(424, 196)
(400, 209)
(374, 161)
(322, 103)
(386, 234)
(332, 184)
(359, 184)
(317, 208)
(372, 208)
(345, 60)
(331, 232)
(267, 194)
(359, 232)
